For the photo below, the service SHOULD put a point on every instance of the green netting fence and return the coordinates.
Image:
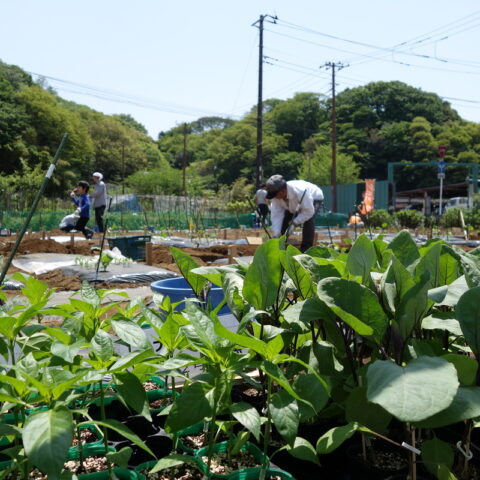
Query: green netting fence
(159, 221)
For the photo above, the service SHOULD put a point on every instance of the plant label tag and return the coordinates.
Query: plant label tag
(412, 449)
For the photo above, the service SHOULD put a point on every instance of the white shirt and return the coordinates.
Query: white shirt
(306, 210)
(261, 196)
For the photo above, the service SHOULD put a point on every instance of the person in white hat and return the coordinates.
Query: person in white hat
(99, 197)
(294, 202)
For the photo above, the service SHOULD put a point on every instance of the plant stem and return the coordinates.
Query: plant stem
(105, 435)
(266, 436)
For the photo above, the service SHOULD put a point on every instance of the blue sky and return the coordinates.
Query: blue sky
(170, 62)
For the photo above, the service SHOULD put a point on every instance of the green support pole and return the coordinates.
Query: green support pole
(37, 198)
(475, 177)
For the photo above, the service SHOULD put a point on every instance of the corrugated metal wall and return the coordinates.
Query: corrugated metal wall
(350, 194)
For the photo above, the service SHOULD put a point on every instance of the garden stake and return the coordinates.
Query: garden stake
(22, 231)
(328, 223)
(102, 244)
(290, 223)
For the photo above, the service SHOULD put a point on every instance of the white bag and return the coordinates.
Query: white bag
(68, 221)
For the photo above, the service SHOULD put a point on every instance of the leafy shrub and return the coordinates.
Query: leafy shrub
(451, 218)
(410, 218)
(472, 217)
(379, 219)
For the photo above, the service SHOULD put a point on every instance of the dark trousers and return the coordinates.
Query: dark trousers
(81, 226)
(99, 211)
(308, 231)
(262, 212)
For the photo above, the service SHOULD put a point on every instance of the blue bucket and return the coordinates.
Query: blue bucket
(178, 289)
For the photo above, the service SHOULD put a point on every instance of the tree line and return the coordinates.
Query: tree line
(377, 123)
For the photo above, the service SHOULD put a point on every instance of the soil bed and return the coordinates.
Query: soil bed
(160, 403)
(86, 436)
(181, 472)
(221, 466)
(37, 245)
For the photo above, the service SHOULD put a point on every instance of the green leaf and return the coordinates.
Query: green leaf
(320, 268)
(361, 257)
(131, 390)
(248, 417)
(356, 305)
(299, 275)
(120, 458)
(47, 436)
(412, 307)
(124, 431)
(426, 386)
(436, 453)
(264, 276)
(449, 294)
(304, 450)
(465, 405)
(332, 439)
(131, 333)
(309, 388)
(466, 367)
(233, 288)
(285, 415)
(405, 249)
(172, 461)
(468, 314)
(359, 409)
(185, 264)
(396, 282)
(102, 345)
(299, 315)
(191, 407)
(442, 321)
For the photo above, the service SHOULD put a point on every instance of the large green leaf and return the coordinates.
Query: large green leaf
(466, 367)
(299, 275)
(442, 321)
(309, 388)
(449, 294)
(304, 450)
(465, 405)
(396, 281)
(436, 453)
(412, 307)
(102, 345)
(359, 409)
(264, 276)
(405, 249)
(201, 332)
(285, 415)
(468, 314)
(320, 268)
(426, 386)
(299, 315)
(131, 333)
(248, 417)
(332, 439)
(192, 406)
(233, 288)
(355, 304)
(132, 391)
(186, 264)
(361, 257)
(47, 436)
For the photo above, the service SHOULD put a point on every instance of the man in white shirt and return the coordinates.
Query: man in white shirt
(262, 207)
(295, 202)
(99, 197)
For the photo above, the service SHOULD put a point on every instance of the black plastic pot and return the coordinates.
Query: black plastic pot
(362, 469)
(141, 426)
(113, 409)
(160, 444)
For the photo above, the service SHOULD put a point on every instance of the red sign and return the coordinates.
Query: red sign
(442, 150)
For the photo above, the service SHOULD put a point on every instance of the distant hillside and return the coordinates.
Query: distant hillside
(376, 124)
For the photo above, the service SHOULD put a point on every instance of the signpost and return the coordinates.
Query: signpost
(441, 173)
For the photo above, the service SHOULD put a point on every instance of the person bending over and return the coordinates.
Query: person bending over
(80, 198)
(294, 202)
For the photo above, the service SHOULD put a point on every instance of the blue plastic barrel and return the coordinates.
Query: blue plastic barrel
(178, 289)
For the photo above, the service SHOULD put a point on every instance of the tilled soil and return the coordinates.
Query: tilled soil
(34, 244)
(86, 436)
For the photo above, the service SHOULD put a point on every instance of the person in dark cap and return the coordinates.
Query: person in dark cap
(294, 202)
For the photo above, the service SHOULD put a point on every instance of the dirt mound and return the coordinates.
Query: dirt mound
(56, 278)
(37, 245)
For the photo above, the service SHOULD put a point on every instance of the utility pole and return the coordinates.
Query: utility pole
(184, 160)
(259, 160)
(334, 66)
